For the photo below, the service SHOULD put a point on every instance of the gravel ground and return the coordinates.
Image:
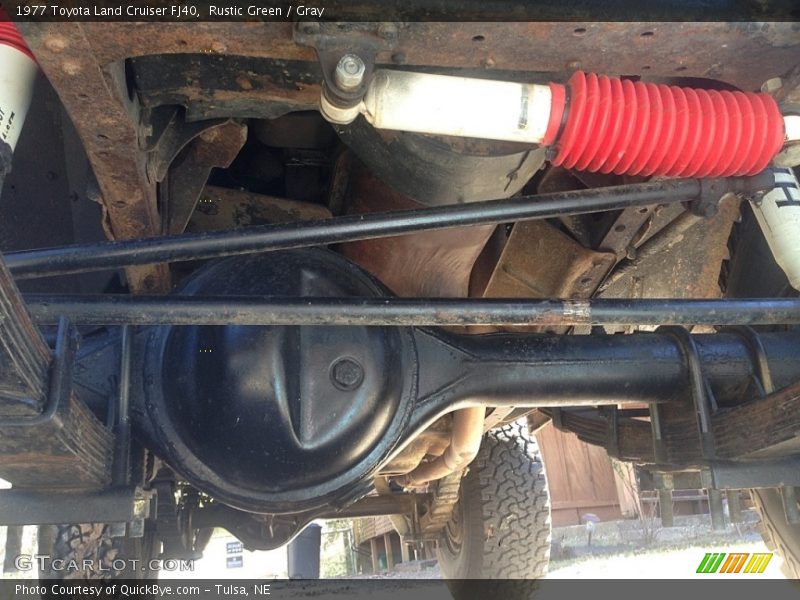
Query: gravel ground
(422, 580)
(659, 563)
(413, 570)
(673, 562)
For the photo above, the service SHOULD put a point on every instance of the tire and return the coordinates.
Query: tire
(96, 554)
(779, 535)
(500, 528)
(754, 273)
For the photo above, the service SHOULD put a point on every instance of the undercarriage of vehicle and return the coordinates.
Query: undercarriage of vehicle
(339, 255)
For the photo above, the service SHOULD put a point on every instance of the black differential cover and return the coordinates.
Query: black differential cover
(280, 419)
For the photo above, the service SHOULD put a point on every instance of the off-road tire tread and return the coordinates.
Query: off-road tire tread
(779, 535)
(87, 541)
(93, 542)
(505, 498)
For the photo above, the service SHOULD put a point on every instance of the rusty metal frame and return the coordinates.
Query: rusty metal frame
(91, 90)
(741, 54)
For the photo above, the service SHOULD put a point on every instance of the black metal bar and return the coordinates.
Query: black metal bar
(113, 255)
(734, 505)
(121, 468)
(390, 311)
(756, 348)
(665, 508)
(715, 509)
(697, 385)
(376, 506)
(766, 473)
(729, 475)
(28, 507)
(61, 371)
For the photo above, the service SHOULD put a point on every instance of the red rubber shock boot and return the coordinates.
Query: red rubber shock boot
(618, 126)
(11, 37)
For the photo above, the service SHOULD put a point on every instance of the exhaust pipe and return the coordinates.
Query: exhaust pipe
(465, 442)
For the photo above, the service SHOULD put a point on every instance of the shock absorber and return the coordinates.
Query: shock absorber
(601, 124)
(620, 126)
(592, 123)
(778, 214)
(18, 70)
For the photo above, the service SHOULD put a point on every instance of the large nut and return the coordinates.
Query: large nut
(350, 72)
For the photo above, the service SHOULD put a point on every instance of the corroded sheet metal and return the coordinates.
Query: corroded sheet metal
(689, 267)
(539, 261)
(223, 208)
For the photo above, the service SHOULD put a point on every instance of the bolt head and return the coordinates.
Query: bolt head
(350, 72)
(387, 31)
(347, 374)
